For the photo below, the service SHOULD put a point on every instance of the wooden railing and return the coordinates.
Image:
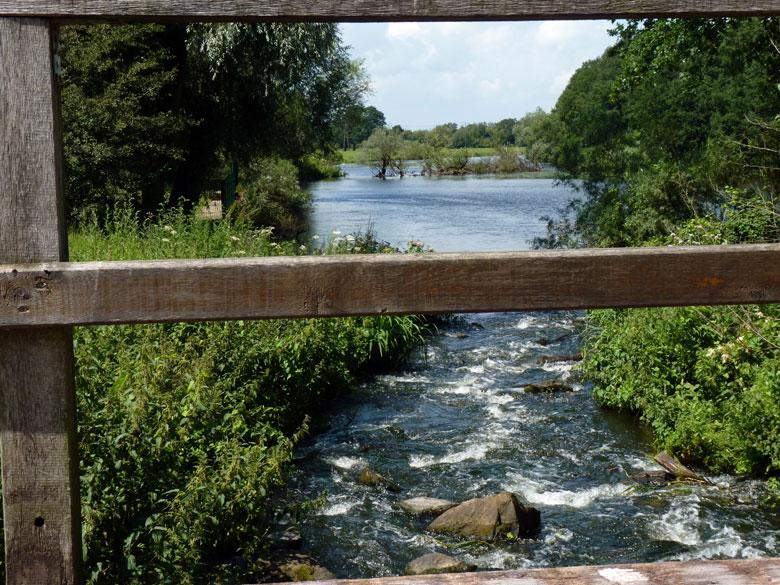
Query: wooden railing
(42, 296)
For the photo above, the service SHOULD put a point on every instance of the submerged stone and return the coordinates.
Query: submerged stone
(301, 567)
(551, 359)
(286, 538)
(371, 478)
(655, 477)
(547, 386)
(435, 563)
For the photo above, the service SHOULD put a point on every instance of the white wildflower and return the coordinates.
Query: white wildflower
(165, 240)
(235, 238)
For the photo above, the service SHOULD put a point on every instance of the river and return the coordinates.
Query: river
(456, 424)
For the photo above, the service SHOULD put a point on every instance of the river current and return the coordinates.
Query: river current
(456, 423)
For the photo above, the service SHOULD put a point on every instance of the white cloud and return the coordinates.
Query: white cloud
(404, 30)
(447, 29)
(555, 32)
(493, 86)
(430, 73)
(560, 82)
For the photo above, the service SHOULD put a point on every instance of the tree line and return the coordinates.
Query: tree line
(524, 132)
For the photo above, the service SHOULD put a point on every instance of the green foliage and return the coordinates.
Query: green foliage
(272, 197)
(154, 109)
(187, 430)
(707, 380)
(124, 125)
(384, 150)
(663, 120)
(316, 166)
(502, 160)
(271, 87)
(355, 125)
(532, 132)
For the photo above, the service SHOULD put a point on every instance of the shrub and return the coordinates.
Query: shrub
(316, 166)
(187, 430)
(272, 196)
(707, 380)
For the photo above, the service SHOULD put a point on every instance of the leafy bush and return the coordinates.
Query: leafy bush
(186, 430)
(707, 380)
(316, 166)
(272, 196)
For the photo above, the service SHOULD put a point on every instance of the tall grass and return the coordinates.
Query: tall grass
(186, 430)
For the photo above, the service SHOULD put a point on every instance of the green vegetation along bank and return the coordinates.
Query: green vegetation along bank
(675, 135)
(186, 430)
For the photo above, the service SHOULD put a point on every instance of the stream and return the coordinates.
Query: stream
(456, 424)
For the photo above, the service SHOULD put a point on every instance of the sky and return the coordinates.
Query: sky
(424, 74)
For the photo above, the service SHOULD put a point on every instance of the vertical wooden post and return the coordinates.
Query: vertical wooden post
(41, 509)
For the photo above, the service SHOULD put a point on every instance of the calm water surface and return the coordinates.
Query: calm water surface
(449, 214)
(456, 424)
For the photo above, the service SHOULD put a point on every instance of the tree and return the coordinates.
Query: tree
(384, 150)
(124, 128)
(441, 136)
(356, 124)
(272, 87)
(502, 132)
(154, 109)
(651, 126)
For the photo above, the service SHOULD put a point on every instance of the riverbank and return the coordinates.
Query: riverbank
(187, 431)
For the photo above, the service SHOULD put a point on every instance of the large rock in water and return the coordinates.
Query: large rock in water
(489, 518)
(435, 563)
(426, 506)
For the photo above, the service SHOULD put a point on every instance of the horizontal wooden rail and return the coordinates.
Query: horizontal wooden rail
(743, 572)
(370, 10)
(281, 287)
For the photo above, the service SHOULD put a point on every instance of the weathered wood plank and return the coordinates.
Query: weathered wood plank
(741, 572)
(37, 412)
(258, 288)
(370, 11)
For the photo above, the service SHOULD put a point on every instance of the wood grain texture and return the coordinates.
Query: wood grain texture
(37, 401)
(743, 572)
(371, 11)
(258, 288)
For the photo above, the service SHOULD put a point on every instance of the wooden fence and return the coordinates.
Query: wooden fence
(42, 296)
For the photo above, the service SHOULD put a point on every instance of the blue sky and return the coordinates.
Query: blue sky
(425, 74)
